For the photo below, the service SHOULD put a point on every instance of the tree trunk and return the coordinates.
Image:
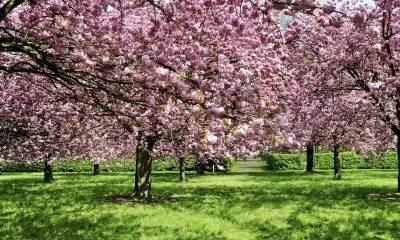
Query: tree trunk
(199, 166)
(310, 158)
(96, 169)
(398, 163)
(336, 163)
(48, 172)
(144, 163)
(182, 175)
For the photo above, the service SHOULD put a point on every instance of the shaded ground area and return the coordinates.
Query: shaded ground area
(247, 203)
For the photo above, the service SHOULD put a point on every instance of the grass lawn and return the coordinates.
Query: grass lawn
(248, 203)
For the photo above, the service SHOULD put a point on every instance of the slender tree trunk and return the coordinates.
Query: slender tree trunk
(136, 169)
(336, 163)
(199, 166)
(182, 175)
(48, 171)
(398, 163)
(96, 169)
(144, 163)
(310, 158)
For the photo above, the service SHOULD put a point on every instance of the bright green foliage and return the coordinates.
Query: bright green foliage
(279, 162)
(349, 160)
(248, 203)
(72, 166)
(111, 166)
(389, 162)
(171, 164)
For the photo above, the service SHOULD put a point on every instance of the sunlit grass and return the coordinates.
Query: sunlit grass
(245, 204)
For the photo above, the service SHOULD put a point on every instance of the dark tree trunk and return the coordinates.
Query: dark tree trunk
(136, 169)
(310, 158)
(336, 163)
(96, 169)
(182, 175)
(398, 163)
(144, 163)
(200, 168)
(48, 172)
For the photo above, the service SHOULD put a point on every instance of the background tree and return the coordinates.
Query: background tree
(315, 42)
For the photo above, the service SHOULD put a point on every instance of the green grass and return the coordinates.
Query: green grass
(248, 203)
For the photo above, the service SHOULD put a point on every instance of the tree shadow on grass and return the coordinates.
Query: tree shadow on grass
(334, 212)
(305, 207)
(314, 172)
(128, 199)
(385, 196)
(311, 223)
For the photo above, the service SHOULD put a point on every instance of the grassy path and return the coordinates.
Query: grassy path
(249, 166)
